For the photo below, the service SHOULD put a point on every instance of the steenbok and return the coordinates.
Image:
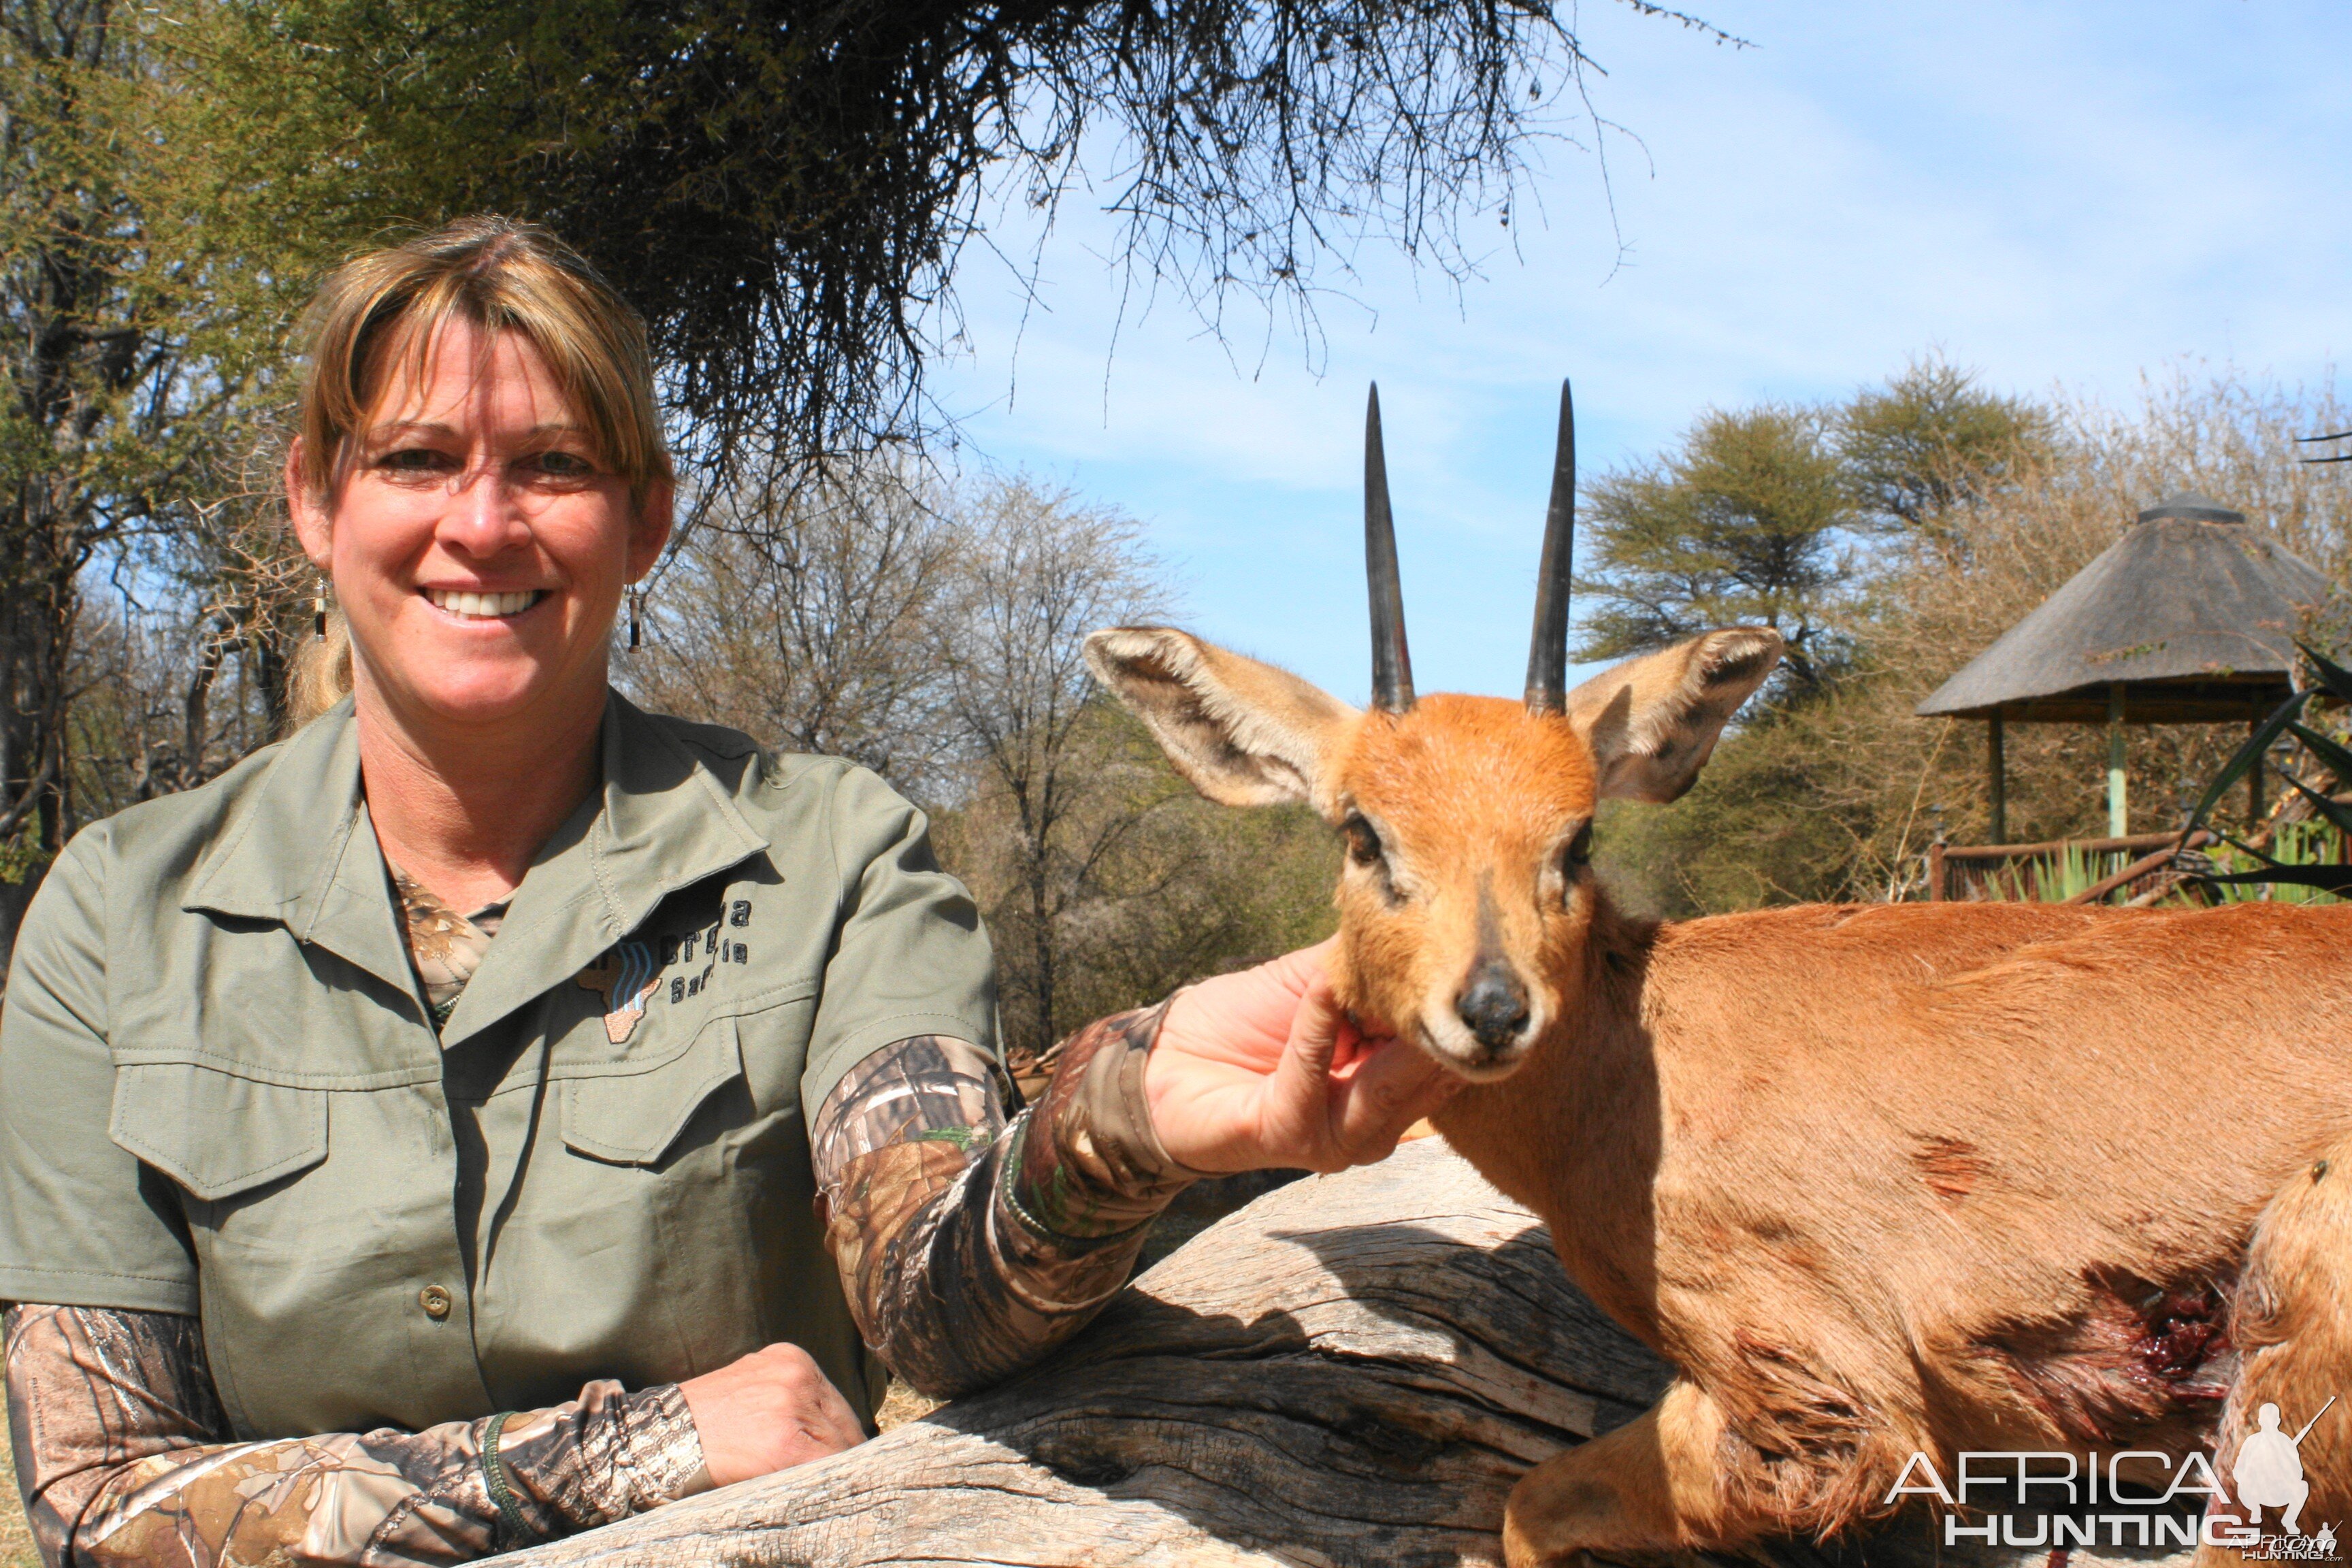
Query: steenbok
(1881, 1181)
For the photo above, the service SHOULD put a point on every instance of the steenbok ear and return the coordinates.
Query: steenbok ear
(1651, 721)
(1245, 733)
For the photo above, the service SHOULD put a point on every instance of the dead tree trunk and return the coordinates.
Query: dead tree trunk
(1353, 1370)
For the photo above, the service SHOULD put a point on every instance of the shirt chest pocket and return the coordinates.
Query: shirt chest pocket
(216, 1133)
(738, 1065)
(638, 1117)
(282, 1170)
(633, 1245)
(317, 1217)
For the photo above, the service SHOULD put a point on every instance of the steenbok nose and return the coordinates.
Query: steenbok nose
(1493, 1006)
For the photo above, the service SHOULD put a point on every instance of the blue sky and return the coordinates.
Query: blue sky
(2051, 194)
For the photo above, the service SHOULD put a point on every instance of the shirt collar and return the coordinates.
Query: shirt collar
(668, 822)
(298, 849)
(660, 822)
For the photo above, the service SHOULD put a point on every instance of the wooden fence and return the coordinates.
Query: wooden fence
(1974, 871)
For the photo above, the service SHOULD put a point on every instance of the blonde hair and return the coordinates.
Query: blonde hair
(382, 311)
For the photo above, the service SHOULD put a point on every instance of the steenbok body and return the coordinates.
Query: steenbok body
(1879, 1180)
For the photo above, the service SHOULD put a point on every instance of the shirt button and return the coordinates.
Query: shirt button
(435, 1300)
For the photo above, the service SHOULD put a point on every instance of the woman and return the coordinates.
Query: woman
(429, 1137)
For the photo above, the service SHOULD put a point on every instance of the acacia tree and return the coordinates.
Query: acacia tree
(786, 186)
(1837, 799)
(1768, 515)
(1930, 440)
(1740, 525)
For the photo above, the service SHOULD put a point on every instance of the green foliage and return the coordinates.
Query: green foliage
(2303, 860)
(1738, 839)
(1757, 516)
(2312, 847)
(2074, 870)
(1739, 526)
(2054, 879)
(1931, 440)
(145, 281)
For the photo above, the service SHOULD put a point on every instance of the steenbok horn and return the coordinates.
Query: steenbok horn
(1392, 663)
(1547, 653)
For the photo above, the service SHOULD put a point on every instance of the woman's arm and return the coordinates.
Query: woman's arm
(968, 1248)
(124, 1457)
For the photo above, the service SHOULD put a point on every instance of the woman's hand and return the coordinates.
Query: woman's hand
(1262, 1069)
(767, 1412)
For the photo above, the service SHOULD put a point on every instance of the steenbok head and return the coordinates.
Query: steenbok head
(1466, 901)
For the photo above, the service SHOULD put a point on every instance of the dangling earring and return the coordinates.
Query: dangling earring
(637, 605)
(319, 610)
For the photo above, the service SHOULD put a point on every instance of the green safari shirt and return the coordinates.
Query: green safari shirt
(221, 1092)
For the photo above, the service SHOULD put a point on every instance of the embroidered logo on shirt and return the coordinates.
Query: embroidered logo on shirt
(625, 977)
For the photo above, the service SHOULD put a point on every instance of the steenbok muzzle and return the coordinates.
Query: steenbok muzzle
(1880, 1180)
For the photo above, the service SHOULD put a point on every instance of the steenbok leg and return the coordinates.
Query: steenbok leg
(1652, 1485)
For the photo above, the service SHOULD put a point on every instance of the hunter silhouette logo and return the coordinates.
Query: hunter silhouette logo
(2269, 1471)
(2267, 1474)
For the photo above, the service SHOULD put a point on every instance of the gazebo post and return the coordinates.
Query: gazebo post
(2253, 780)
(2118, 818)
(2000, 778)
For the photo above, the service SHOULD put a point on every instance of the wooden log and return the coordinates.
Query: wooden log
(1353, 1370)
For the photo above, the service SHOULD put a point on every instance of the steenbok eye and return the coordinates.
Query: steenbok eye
(1580, 849)
(1363, 844)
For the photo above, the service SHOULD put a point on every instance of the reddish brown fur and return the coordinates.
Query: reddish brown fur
(1461, 784)
(1963, 1160)
(1924, 1177)
(1950, 1166)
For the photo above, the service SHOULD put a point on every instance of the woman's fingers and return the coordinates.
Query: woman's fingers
(1317, 1092)
(1395, 1085)
(1245, 1017)
(1293, 1111)
(1328, 1123)
(1306, 967)
(1315, 1031)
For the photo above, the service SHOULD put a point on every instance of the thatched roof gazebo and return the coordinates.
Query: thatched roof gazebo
(2190, 618)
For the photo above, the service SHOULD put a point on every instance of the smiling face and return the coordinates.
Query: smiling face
(478, 542)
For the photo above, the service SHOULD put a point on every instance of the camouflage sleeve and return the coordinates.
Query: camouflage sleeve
(123, 1456)
(968, 1248)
